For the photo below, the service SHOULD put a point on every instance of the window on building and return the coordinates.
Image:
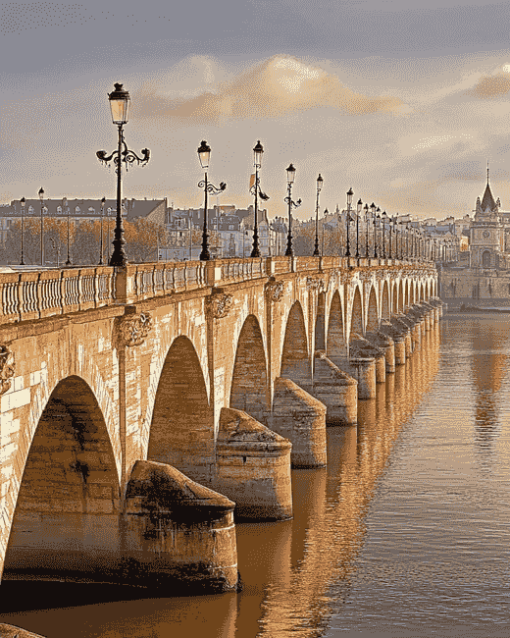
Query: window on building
(486, 259)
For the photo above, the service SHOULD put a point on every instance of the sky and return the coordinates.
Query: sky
(405, 102)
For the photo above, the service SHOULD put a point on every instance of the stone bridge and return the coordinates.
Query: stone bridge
(139, 406)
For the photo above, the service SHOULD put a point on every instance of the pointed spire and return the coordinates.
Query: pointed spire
(488, 200)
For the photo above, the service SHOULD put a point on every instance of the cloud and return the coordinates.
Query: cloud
(491, 87)
(278, 86)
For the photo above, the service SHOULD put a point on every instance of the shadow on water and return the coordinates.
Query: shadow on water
(295, 573)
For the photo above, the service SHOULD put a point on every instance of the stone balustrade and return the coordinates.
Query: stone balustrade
(33, 294)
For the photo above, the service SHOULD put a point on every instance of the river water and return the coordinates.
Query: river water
(405, 533)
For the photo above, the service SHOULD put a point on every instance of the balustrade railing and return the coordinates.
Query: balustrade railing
(31, 295)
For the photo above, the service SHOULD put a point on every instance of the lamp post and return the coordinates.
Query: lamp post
(255, 190)
(373, 209)
(101, 240)
(288, 200)
(64, 207)
(367, 228)
(22, 202)
(348, 222)
(408, 229)
(204, 155)
(119, 105)
(41, 197)
(378, 220)
(108, 213)
(359, 206)
(384, 217)
(320, 183)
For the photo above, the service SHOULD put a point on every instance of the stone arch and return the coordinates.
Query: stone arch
(395, 298)
(385, 305)
(295, 362)
(249, 389)
(336, 339)
(69, 492)
(320, 323)
(182, 428)
(356, 316)
(413, 291)
(372, 313)
(486, 259)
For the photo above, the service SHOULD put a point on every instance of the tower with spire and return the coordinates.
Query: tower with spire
(487, 233)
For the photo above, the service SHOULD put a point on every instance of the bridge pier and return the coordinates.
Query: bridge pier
(253, 467)
(386, 344)
(337, 390)
(363, 369)
(301, 418)
(176, 532)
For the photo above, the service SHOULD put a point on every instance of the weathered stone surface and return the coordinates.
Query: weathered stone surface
(177, 531)
(10, 631)
(253, 467)
(387, 345)
(301, 418)
(337, 390)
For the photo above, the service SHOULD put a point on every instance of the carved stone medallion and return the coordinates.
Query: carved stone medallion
(274, 289)
(132, 329)
(6, 368)
(218, 305)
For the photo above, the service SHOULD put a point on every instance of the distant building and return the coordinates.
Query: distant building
(80, 210)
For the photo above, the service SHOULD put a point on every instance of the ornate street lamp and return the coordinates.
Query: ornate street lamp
(384, 217)
(101, 240)
(64, 206)
(320, 183)
(359, 206)
(43, 208)
(22, 202)
(367, 228)
(108, 213)
(378, 218)
(348, 222)
(375, 217)
(288, 200)
(204, 155)
(119, 105)
(255, 190)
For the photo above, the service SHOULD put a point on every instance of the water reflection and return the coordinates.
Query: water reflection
(489, 343)
(321, 575)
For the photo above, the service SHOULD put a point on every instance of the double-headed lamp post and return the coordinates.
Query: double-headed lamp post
(204, 155)
(101, 239)
(384, 217)
(255, 190)
(43, 209)
(320, 183)
(119, 105)
(359, 206)
(350, 193)
(64, 206)
(374, 217)
(288, 200)
(22, 202)
(367, 228)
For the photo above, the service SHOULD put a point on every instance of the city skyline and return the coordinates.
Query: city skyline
(404, 105)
